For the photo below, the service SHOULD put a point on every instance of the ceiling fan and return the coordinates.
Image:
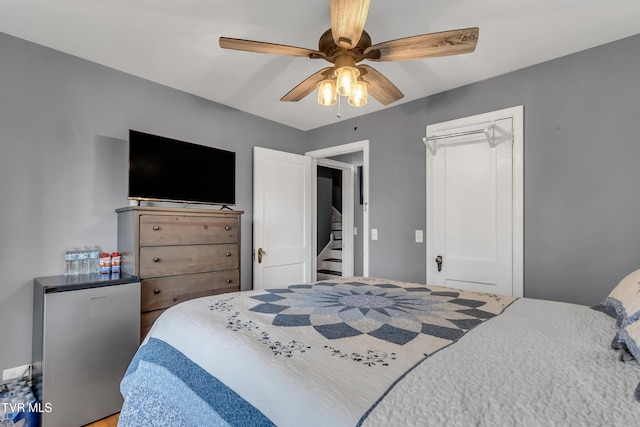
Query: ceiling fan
(346, 44)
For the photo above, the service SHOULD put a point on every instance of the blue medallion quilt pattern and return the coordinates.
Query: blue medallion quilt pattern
(385, 311)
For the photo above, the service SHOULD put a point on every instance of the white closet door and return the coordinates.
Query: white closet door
(472, 233)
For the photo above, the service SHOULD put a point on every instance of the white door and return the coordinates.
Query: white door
(281, 219)
(471, 199)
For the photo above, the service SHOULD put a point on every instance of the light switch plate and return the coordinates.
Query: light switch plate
(374, 234)
(419, 236)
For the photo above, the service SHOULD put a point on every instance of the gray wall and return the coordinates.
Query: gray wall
(581, 174)
(63, 133)
(63, 162)
(396, 185)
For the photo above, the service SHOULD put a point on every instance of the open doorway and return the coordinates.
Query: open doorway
(332, 260)
(335, 219)
(350, 162)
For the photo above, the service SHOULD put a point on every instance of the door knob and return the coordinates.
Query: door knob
(260, 253)
(439, 262)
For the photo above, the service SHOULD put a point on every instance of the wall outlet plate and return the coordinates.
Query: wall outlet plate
(17, 372)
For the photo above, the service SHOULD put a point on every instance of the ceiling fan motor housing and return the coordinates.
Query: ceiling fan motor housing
(327, 46)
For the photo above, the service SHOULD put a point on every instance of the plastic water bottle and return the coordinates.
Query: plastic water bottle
(75, 262)
(69, 258)
(94, 260)
(83, 260)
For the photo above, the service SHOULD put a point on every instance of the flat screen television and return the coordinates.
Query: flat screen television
(165, 169)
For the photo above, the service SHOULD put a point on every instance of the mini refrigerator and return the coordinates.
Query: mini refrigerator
(86, 330)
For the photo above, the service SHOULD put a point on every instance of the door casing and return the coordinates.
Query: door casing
(338, 150)
(348, 177)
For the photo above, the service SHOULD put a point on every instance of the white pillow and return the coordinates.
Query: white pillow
(625, 298)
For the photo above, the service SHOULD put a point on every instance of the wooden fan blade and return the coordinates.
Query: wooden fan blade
(380, 87)
(263, 47)
(445, 43)
(347, 21)
(306, 87)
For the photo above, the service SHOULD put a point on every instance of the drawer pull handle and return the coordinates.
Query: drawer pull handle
(228, 254)
(226, 227)
(156, 291)
(156, 227)
(156, 259)
(228, 280)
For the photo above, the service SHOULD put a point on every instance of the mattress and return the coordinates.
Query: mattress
(374, 352)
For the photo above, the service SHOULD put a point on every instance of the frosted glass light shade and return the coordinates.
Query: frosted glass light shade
(327, 92)
(359, 97)
(346, 78)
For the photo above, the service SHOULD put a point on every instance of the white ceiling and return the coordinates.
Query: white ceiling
(175, 42)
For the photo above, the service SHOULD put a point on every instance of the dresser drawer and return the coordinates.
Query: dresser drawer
(158, 261)
(158, 230)
(164, 292)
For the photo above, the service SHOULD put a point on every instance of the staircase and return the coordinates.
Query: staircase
(330, 259)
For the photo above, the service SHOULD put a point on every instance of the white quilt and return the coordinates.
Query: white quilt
(375, 352)
(322, 354)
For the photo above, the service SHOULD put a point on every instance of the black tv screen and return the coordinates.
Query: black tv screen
(165, 169)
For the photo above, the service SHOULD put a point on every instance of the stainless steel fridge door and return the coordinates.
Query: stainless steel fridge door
(90, 336)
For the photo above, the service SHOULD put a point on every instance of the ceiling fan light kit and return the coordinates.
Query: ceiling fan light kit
(344, 80)
(346, 75)
(346, 44)
(359, 97)
(327, 94)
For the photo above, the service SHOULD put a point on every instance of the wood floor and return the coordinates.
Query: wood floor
(111, 421)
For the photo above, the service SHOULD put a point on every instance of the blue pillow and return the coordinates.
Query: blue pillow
(630, 336)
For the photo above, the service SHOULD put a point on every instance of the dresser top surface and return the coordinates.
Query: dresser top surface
(160, 209)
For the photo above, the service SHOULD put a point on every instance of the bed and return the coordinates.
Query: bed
(374, 352)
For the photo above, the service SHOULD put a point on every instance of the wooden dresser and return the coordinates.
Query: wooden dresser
(179, 254)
